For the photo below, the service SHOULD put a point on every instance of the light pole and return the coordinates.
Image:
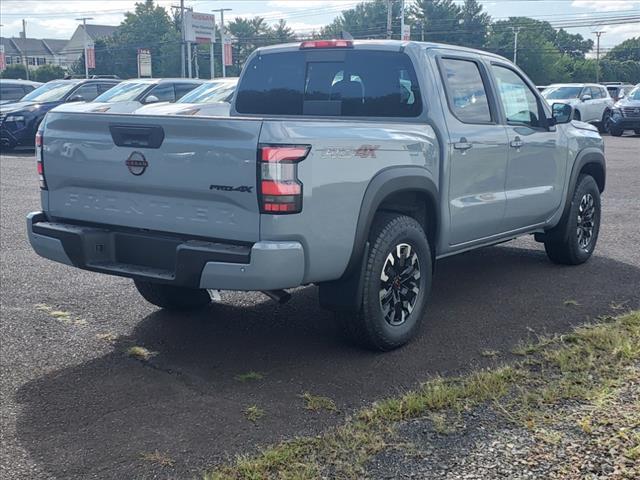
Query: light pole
(598, 33)
(516, 30)
(84, 28)
(222, 36)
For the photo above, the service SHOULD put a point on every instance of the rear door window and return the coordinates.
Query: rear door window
(466, 91)
(343, 83)
(163, 92)
(88, 92)
(183, 88)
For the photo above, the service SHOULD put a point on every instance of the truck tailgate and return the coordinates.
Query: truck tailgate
(187, 175)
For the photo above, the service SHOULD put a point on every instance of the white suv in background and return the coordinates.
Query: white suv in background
(591, 102)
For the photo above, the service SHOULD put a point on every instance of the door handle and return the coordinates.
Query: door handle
(462, 144)
(516, 143)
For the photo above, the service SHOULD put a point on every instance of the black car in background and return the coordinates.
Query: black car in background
(625, 114)
(13, 90)
(19, 121)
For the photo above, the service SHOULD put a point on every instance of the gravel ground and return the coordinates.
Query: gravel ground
(482, 444)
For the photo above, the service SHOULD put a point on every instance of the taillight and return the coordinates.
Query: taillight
(326, 44)
(280, 190)
(39, 159)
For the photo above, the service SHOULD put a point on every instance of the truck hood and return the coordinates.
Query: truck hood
(627, 102)
(583, 125)
(569, 101)
(22, 106)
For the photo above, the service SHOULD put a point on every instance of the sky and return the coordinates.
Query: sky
(57, 18)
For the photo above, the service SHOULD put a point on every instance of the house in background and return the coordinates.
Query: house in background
(74, 48)
(35, 52)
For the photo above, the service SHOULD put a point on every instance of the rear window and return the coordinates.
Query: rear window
(343, 83)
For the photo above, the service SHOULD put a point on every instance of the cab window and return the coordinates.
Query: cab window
(520, 105)
(88, 92)
(466, 92)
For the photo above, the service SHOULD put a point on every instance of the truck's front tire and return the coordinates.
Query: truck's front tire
(396, 283)
(172, 297)
(574, 239)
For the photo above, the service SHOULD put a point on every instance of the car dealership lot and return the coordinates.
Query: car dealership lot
(74, 404)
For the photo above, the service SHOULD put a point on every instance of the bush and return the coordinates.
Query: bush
(17, 71)
(48, 72)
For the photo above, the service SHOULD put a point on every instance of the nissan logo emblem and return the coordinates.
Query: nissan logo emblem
(136, 163)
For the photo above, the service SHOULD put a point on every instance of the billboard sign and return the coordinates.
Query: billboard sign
(227, 51)
(199, 27)
(406, 33)
(144, 62)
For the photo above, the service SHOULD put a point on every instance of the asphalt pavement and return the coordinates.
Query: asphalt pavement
(74, 405)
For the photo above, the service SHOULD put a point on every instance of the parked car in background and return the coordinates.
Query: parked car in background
(212, 98)
(13, 90)
(19, 121)
(625, 114)
(130, 95)
(618, 90)
(590, 101)
(353, 165)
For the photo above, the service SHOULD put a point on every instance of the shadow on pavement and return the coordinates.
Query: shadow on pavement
(97, 418)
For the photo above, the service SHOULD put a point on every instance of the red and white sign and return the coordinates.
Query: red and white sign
(406, 33)
(3, 60)
(227, 51)
(91, 56)
(199, 27)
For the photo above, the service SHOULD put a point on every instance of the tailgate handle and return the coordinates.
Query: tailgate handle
(147, 136)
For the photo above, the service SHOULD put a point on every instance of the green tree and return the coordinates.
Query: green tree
(249, 34)
(365, 20)
(48, 72)
(627, 50)
(440, 19)
(16, 71)
(281, 33)
(475, 24)
(573, 45)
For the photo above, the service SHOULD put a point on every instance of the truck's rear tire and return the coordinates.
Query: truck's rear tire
(573, 241)
(616, 132)
(396, 283)
(172, 297)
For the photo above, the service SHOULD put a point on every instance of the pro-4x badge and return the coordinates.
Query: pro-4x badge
(229, 188)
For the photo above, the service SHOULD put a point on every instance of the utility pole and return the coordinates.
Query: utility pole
(598, 33)
(222, 37)
(401, 19)
(86, 37)
(389, 18)
(516, 30)
(25, 60)
(182, 38)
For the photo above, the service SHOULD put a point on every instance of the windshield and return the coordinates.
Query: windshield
(561, 93)
(634, 94)
(123, 92)
(49, 92)
(212, 92)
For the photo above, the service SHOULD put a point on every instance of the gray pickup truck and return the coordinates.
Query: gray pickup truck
(352, 165)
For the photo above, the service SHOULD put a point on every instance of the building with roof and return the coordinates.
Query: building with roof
(73, 49)
(32, 51)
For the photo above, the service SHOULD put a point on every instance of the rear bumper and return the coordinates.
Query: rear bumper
(166, 258)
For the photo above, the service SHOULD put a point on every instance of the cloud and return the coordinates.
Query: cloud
(303, 4)
(606, 5)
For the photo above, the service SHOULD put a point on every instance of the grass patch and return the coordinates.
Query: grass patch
(158, 458)
(140, 353)
(589, 363)
(317, 403)
(571, 303)
(249, 376)
(253, 413)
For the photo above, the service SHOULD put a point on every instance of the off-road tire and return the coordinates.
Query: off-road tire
(368, 327)
(563, 245)
(172, 297)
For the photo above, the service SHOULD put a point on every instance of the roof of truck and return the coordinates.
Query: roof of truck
(389, 45)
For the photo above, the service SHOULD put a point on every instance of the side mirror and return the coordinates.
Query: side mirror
(584, 98)
(151, 99)
(77, 98)
(562, 113)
